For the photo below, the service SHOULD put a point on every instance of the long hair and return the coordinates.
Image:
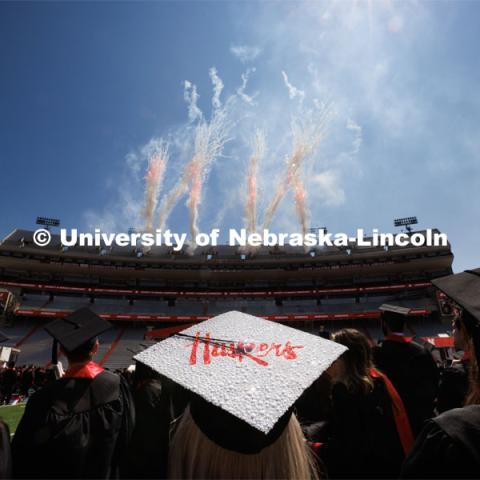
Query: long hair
(471, 332)
(473, 394)
(357, 360)
(193, 455)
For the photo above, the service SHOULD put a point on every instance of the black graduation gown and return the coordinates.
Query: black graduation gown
(158, 402)
(5, 452)
(453, 387)
(414, 374)
(364, 442)
(447, 447)
(313, 405)
(148, 450)
(75, 428)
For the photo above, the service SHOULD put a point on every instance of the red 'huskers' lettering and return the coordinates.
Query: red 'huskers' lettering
(240, 350)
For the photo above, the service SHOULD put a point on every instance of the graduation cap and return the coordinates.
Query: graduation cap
(394, 316)
(3, 337)
(244, 373)
(76, 329)
(464, 289)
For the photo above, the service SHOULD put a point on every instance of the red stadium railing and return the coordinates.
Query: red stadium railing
(218, 293)
(199, 318)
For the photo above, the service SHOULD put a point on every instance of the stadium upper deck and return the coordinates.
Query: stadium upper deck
(223, 267)
(331, 287)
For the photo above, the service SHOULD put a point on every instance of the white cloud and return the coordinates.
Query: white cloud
(357, 141)
(328, 188)
(395, 25)
(119, 215)
(134, 163)
(245, 53)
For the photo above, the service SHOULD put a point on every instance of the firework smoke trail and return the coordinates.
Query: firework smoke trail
(251, 204)
(217, 87)
(171, 199)
(190, 96)
(210, 138)
(153, 182)
(300, 195)
(209, 141)
(307, 135)
(249, 99)
(282, 188)
(293, 92)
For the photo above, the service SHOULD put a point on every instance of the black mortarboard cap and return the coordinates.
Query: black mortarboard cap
(394, 315)
(232, 433)
(463, 288)
(76, 329)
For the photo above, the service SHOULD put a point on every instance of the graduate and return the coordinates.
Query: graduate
(370, 432)
(449, 445)
(78, 426)
(148, 450)
(5, 453)
(244, 375)
(453, 386)
(409, 366)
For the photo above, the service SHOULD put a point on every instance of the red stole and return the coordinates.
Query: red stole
(399, 413)
(87, 370)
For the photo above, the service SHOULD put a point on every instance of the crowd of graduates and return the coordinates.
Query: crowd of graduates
(377, 411)
(19, 382)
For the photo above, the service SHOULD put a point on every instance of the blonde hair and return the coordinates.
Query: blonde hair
(193, 455)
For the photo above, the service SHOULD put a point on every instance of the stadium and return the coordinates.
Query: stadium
(226, 282)
(148, 297)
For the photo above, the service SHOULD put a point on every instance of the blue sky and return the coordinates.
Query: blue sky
(85, 87)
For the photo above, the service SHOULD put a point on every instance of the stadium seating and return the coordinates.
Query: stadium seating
(329, 287)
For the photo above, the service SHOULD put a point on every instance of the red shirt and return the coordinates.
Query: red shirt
(87, 370)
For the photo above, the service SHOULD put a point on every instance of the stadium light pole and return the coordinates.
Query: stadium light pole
(406, 222)
(48, 222)
(317, 229)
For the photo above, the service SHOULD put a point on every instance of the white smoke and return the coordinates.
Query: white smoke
(217, 88)
(248, 99)
(293, 92)
(191, 97)
(245, 53)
